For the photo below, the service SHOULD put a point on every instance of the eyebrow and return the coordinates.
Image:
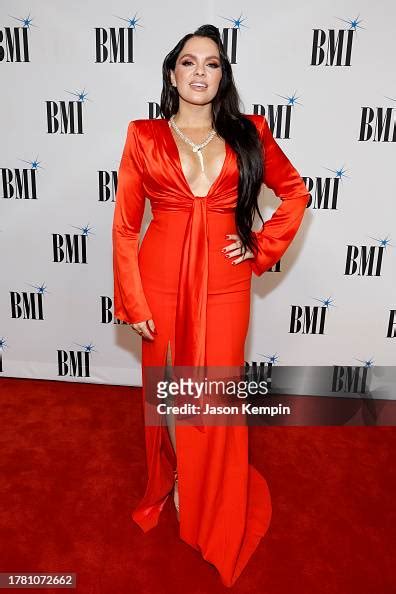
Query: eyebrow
(192, 56)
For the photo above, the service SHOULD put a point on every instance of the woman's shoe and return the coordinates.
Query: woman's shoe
(176, 495)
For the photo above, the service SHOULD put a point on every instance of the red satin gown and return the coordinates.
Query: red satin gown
(200, 304)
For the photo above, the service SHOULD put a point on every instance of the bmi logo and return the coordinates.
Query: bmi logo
(324, 191)
(378, 124)
(259, 371)
(66, 117)
(230, 37)
(349, 379)
(71, 248)
(366, 260)
(28, 305)
(14, 41)
(20, 182)
(115, 44)
(75, 363)
(333, 47)
(278, 116)
(309, 319)
(107, 185)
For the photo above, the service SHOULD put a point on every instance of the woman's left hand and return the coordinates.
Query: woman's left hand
(236, 249)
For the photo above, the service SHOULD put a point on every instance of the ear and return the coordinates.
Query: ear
(172, 77)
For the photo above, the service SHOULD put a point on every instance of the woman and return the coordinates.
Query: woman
(186, 291)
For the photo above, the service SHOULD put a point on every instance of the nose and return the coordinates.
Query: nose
(200, 71)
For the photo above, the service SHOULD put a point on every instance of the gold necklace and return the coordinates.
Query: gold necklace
(195, 147)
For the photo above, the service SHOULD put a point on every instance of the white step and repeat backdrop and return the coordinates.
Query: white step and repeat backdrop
(323, 74)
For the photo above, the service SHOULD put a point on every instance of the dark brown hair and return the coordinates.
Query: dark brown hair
(228, 121)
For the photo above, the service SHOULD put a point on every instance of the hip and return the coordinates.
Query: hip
(161, 249)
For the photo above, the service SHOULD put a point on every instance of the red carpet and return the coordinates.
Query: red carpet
(73, 467)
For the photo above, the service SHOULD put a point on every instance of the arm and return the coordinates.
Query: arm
(130, 304)
(277, 233)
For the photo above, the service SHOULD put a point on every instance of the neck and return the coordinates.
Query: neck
(194, 117)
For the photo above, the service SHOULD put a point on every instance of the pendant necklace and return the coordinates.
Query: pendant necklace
(195, 147)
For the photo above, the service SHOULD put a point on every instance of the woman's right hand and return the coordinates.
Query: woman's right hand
(143, 329)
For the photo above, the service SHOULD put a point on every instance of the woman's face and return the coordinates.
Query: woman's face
(198, 62)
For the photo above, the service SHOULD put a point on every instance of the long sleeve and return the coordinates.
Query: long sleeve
(277, 233)
(130, 304)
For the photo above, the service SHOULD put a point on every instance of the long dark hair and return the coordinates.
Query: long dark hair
(228, 121)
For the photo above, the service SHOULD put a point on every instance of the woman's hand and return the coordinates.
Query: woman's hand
(236, 249)
(143, 328)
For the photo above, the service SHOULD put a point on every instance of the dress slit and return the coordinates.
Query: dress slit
(168, 355)
(160, 461)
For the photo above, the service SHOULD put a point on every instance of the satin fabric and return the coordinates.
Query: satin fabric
(180, 278)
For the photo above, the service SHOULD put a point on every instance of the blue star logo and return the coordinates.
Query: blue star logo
(353, 23)
(81, 95)
(273, 359)
(236, 23)
(33, 164)
(367, 363)
(26, 22)
(383, 242)
(3, 343)
(84, 230)
(290, 100)
(339, 173)
(41, 289)
(87, 348)
(131, 22)
(326, 302)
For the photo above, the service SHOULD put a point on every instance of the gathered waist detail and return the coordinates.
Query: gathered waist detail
(182, 206)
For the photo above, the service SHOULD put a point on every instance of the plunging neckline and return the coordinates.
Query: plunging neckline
(180, 168)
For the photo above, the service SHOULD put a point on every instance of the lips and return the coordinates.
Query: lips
(199, 85)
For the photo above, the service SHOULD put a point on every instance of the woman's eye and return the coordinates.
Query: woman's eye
(187, 62)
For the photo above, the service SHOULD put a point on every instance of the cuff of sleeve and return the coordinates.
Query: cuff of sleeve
(140, 313)
(255, 268)
(255, 265)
